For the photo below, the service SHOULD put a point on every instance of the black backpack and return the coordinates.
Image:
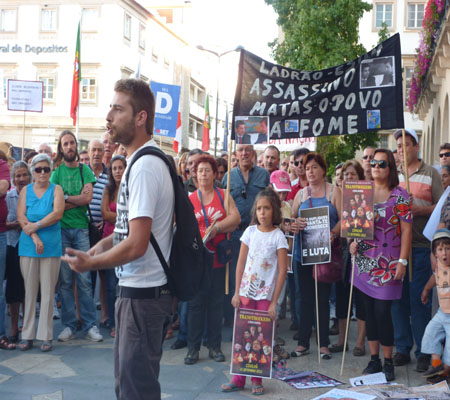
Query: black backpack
(190, 261)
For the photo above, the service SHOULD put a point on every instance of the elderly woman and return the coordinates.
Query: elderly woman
(319, 193)
(15, 291)
(41, 206)
(350, 171)
(381, 263)
(209, 207)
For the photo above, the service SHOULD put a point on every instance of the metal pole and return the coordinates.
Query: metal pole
(217, 107)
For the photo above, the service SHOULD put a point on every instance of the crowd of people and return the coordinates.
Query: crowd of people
(67, 214)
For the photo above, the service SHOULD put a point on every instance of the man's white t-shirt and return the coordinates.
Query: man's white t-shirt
(151, 195)
(261, 268)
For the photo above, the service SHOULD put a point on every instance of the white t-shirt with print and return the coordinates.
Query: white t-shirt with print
(261, 268)
(150, 195)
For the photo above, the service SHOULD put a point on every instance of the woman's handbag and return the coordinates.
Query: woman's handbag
(223, 249)
(331, 272)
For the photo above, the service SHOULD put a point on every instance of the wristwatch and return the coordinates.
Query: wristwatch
(403, 261)
(66, 196)
(39, 224)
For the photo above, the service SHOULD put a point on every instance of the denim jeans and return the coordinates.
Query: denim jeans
(437, 333)
(76, 239)
(2, 279)
(409, 315)
(111, 294)
(183, 315)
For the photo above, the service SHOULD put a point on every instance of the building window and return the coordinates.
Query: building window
(407, 82)
(49, 86)
(142, 36)
(127, 26)
(415, 15)
(8, 21)
(48, 20)
(89, 20)
(384, 142)
(195, 128)
(88, 90)
(383, 13)
(197, 94)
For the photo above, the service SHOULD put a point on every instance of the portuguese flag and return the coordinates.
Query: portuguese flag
(206, 126)
(76, 81)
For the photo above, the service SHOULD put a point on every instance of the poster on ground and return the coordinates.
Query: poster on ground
(357, 220)
(361, 95)
(252, 343)
(315, 238)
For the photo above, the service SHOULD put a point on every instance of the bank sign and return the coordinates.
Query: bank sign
(166, 111)
(27, 48)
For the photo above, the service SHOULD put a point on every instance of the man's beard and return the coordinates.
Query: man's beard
(124, 135)
(70, 157)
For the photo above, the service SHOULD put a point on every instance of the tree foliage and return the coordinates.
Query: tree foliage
(321, 34)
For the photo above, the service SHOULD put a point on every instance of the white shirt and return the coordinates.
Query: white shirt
(261, 268)
(150, 195)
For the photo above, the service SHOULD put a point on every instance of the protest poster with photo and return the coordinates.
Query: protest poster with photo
(315, 238)
(357, 220)
(251, 353)
(361, 95)
(289, 234)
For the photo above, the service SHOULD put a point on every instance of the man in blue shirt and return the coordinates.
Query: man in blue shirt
(246, 181)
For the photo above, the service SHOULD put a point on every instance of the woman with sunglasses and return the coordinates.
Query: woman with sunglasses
(380, 264)
(41, 206)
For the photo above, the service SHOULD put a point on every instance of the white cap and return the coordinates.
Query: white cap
(410, 132)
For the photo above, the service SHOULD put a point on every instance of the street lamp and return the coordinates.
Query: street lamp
(218, 55)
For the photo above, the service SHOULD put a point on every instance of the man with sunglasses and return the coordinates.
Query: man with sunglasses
(444, 154)
(409, 315)
(367, 156)
(246, 181)
(296, 164)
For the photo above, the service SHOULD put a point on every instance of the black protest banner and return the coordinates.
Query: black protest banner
(359, 96)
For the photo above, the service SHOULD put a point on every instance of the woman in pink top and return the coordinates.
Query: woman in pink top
(109, 202)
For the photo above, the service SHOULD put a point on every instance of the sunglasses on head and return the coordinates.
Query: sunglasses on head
(381, 163)
(367, 157)
(40, 169)
(445, 154)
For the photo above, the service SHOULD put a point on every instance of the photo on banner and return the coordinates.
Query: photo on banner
(286, 227)
(251, 130)
(357, 219)
(315, 238)
(359, 96)
(253, 335)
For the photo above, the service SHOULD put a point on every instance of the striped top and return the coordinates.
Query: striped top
(425, 184)
(96, 203)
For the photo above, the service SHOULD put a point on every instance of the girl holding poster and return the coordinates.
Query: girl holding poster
(381, 263)
(261, 269)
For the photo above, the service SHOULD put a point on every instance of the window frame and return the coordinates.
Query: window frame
(416, 3)
(127, 17)
(6, 9)
(87, 100)
(142, 33)
(42, 77)
(393, 3)
(89, 28)
(41, 20)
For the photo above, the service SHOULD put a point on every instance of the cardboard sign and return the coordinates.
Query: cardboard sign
(315, 238)
(25, 95)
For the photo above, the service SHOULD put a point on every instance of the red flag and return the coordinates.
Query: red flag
(76, 81)
(206, 126)
(177, 139)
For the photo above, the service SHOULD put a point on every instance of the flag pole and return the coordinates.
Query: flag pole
(405, 164)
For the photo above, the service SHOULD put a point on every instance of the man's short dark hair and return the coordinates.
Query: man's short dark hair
(239, 123)
(299, 152)
(141, 99)
(194, 152)
(83, 152)
(445, 146)
(272, 147)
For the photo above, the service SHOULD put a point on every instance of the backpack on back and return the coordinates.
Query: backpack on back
(190, 261)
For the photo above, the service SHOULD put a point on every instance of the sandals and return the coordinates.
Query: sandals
(46, 346)
(230, 387)
(113, 332)
(359, 351)
(6, 344)
(299, 353)
(257, 390)
(325, 356)
(25, 345)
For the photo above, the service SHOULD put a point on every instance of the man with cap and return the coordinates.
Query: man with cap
(409, 315)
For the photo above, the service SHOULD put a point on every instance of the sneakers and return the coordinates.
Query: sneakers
(388, 370)
(373, 367)
(93, 334)
(281, 352)
(423, 363)
(66, 335)
(401, 359)
(431, 371)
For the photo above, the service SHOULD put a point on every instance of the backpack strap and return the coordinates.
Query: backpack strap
(153, 151)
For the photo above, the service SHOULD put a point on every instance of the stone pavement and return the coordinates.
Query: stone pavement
(83, 370)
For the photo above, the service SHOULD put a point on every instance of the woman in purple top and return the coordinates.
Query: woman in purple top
(381, 263)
